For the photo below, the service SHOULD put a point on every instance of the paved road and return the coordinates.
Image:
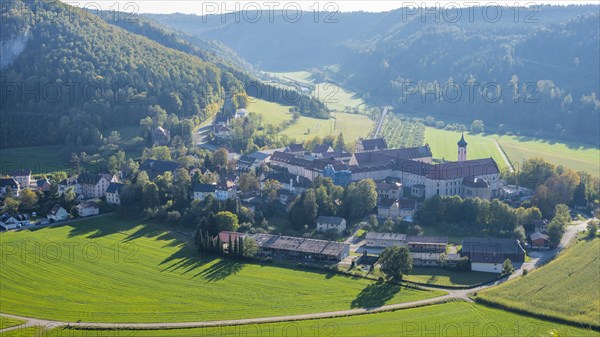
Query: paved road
(380, 124)
(462, 294)
(540, 258)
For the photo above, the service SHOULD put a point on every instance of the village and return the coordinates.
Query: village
(404, 180)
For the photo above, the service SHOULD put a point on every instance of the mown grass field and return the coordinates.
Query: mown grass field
(6, 322)
(272, 113)
(574, 156)
(443, 277)
(443, 146)
(448, 319)
(334, 96)
(40, 159)
(353, 126)
(111, 270)
(566, 288)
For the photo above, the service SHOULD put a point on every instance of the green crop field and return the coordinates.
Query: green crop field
(574, 156)
(448, 319)
(112, 270)
(443, 146)
(443, 277)
(41, 159)
(566, 288)
(353, 126)
(6, 322)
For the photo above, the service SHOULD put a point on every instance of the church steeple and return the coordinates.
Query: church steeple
(462, 148)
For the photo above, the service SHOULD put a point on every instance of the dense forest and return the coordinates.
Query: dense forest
(68, 75)
(528, 70)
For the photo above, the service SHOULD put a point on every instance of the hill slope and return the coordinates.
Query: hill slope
(68, 73)
(566, 288)
(548, 55)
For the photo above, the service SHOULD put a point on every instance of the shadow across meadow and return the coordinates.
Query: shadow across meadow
(375, 295)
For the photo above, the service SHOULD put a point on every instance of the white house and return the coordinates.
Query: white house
(8, 222)
(223, 131)
(240, 113)
(113, 193)
(201, 191)
(57, 214)
(225, 190)
(327, 223)
(94, 185)
(23, 177)
(85, 209)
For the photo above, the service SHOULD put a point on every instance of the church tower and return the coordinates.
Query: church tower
(462, 148)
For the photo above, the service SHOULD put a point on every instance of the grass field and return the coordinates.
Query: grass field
(129, 271)
(353, 126)
(443, 277)
(517, 149)
(573, 156)
(273, 113)
(448, 319)
(443, 146)
(334, 96)
(566, 288)
(41, 159)
(6, 322)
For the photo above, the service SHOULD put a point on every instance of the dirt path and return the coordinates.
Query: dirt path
(504, 156)
(380, 124)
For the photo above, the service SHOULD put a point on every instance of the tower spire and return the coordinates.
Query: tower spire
(462, 148)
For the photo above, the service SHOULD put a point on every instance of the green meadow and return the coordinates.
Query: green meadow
(336, 97)
(566, 288)
(448, 319)
(444, 277)
(353, 126)
(443, 146)
(39, 159)
(574, 156)
(6, 322)
(113, 270)
(571, 155)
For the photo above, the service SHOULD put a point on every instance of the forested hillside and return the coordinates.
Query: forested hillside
(67, 75)
(530, 71)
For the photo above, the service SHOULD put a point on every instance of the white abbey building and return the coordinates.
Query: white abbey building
(414, 167)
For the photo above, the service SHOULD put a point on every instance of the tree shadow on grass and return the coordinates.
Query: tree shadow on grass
(96, 228)
(185, 258)
(375, 295)
(221, 270)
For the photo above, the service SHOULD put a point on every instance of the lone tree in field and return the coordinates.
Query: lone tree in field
(507, 267)
(396, 262)
(592, 228)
